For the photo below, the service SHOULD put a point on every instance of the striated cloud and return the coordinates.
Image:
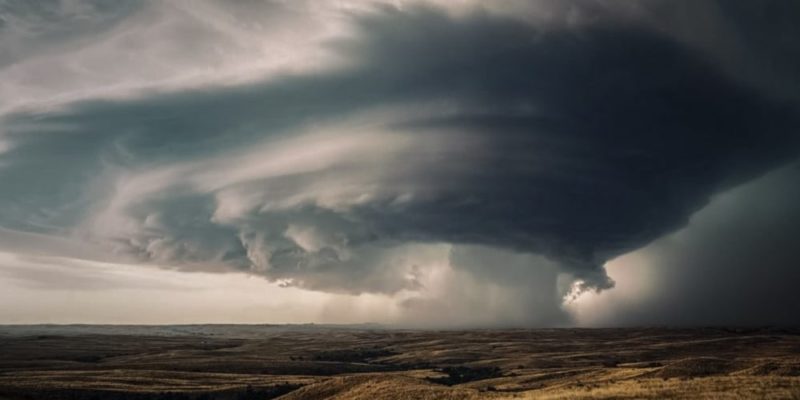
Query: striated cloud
(537, 149)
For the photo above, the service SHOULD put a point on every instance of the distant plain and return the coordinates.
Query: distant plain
(368, 362)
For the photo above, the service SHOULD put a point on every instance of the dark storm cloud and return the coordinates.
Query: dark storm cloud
(736, 262)
(756, 42)
(578, 144)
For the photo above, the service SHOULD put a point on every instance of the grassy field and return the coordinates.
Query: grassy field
(319, 362)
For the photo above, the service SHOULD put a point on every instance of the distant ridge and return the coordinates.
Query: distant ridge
(227, 330)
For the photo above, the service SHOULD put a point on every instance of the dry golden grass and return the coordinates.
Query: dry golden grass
(379, 387)
(717, 387)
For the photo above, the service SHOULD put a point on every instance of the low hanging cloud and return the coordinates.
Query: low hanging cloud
(520, 143)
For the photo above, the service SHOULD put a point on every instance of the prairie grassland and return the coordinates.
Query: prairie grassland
(311, 362)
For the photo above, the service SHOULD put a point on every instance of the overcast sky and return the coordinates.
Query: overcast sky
(430, 164)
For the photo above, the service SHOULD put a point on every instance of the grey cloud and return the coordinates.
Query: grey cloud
(28, 28)
(575, 144)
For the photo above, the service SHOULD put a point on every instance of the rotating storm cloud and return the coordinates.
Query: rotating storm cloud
(483, 162)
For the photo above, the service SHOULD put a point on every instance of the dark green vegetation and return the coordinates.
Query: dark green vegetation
(315, 362)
